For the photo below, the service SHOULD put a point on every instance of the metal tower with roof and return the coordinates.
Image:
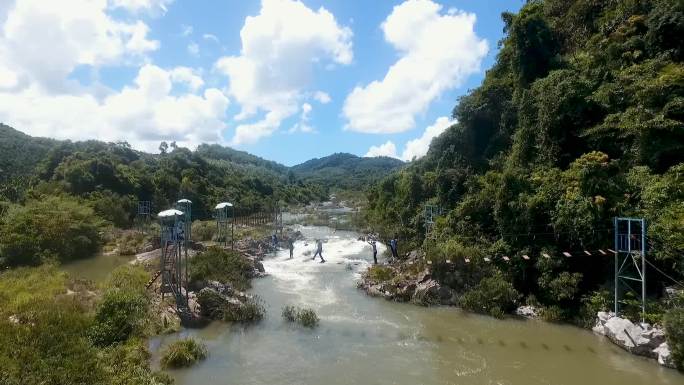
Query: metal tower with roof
(173, 269)
(225, 216)
(630, 260)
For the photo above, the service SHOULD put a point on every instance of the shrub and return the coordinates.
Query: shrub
(219, 307)
(128, 363)
(493, 295)
(592, 304)
(130, 242)
(251, 310)
(118, 316)
(674, 325)
(221, 265)
(58, 227)
(552, 314)
(203, 230)
(304, 316)
(183, 353)
(380, 273)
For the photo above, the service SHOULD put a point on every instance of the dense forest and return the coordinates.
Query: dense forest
(580, 119)
(346, 171)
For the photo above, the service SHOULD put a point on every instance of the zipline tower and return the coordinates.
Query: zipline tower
(173, 269)
(630, 259)
(225, 217)
(143, 217)
(278, 219)
(432, 212)
(185, 205)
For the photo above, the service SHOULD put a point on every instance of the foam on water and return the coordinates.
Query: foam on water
(302, 276)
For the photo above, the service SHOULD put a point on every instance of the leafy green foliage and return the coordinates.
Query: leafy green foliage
(55, 227)
(183, 353)
(226, 266)
(674, 324)
(579, 120)
(492, 295)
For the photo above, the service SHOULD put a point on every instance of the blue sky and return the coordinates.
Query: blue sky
(283, 79)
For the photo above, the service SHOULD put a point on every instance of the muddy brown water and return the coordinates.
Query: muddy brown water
(364, 340)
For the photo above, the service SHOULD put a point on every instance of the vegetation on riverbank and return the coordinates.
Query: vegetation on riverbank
(580, 119)
(225, 266)
(183, 353)
(57, 330)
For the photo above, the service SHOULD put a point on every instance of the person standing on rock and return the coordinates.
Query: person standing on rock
(375, 251)
(290, 245)
(319, 251)
(393, 247)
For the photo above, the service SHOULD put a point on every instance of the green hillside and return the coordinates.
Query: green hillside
(346, 171)
(580, 119)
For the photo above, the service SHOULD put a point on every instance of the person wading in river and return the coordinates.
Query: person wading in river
(290, 245)
(319, 250)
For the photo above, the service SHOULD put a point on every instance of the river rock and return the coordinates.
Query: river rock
(641, 339)
(665, 355)
(430, 292)
(527, 311)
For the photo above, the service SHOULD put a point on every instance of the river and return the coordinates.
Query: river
(364, 340)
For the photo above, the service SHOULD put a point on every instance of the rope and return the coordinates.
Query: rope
(665, 274)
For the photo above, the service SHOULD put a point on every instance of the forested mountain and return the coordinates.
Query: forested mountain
(580, 119)
(346, 171)
(112, 177)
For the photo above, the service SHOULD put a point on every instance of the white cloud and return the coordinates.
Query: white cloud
(303, 124)
(386, 149)
(416, 148)
(429, 65)
(322, 97)
(280, 47)
(142, 114)
(193, 49)
(186, 30)
(151, 6)
(42, 42)
(187, 76)
(209, 36)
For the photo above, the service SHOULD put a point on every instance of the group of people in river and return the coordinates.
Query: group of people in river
(319, 247)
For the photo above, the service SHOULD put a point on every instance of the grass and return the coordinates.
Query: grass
(380, 273)
(183, 353)
(216, 264)
(304, 316)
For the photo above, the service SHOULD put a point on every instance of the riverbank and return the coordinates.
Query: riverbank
(412, 280)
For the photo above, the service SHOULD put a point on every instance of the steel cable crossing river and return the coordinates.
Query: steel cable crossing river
(364, 340)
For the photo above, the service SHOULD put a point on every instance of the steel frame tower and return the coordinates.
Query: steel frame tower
(630, 259)
(185, 205)
(431, 213)
(172, 268)
(144, 215)
(223, 218)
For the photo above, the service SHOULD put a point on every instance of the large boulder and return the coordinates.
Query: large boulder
(665, 355)
(430, 292)
(641, 339)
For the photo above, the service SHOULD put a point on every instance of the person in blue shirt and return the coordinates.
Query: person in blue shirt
(393, 246)
(319, 251)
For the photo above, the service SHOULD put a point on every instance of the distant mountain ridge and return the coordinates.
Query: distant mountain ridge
(346, 171)
(21, 154)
